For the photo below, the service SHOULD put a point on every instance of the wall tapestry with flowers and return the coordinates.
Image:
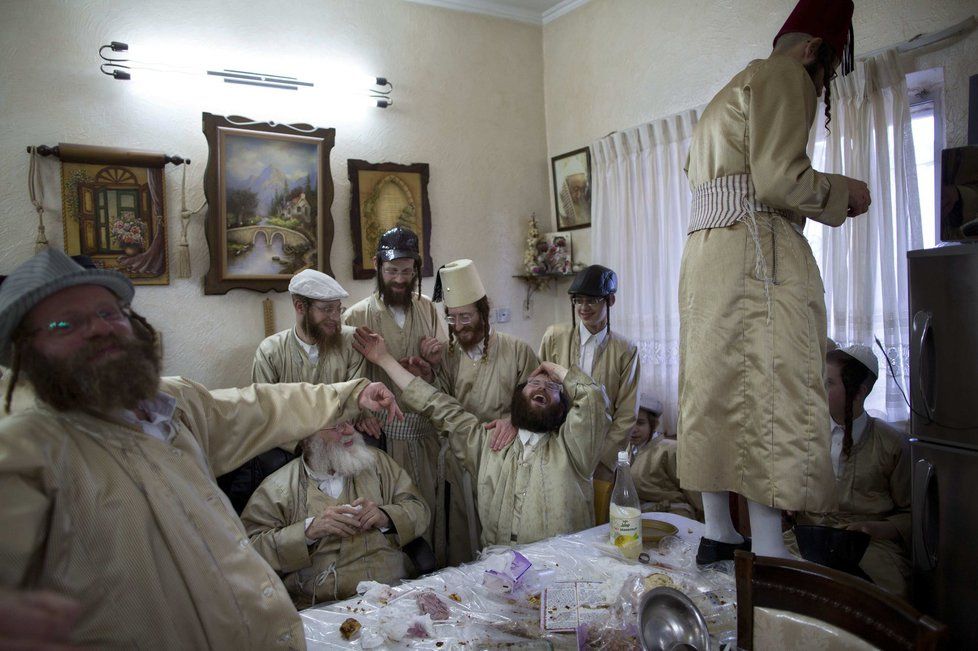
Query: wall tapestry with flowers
(114, 213)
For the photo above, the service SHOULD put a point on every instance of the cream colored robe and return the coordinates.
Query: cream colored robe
(874, 486)
(653, 470)
(484, 388)
(616, 368)
(420, 458)
(553, 483)
(753, 412)
(137, 530)
(331, 568)
(281, 358)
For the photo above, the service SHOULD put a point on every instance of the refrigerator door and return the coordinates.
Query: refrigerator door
(945, 538)
(944, 344)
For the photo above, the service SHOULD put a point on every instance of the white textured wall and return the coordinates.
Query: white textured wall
(613, 64)
(469, 102)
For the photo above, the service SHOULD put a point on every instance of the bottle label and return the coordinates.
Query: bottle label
(626, 530)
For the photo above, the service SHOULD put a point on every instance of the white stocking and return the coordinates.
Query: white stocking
(719, 526)
(765, 529)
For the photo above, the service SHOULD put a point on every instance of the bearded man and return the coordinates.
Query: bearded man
(538, 487)
(399, 312)
(319, 348)
(480, 366)
(752, 404)
(108, 481)
(338, 515)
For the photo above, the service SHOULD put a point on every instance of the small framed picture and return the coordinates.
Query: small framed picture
(572, 189)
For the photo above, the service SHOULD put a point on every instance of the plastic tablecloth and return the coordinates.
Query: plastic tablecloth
(482, 618)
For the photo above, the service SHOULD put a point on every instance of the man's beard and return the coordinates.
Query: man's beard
(469, 336)
(106, 385)
(524, 414)
(392, 298)
(324, 341)
(333, 457)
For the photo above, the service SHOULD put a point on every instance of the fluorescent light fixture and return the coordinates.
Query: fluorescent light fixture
(377, 89)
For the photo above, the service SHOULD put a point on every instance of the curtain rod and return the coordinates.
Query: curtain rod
(923, 40)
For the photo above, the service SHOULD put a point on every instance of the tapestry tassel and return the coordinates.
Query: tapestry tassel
(268, 316)
(41, 242)
(183, 248)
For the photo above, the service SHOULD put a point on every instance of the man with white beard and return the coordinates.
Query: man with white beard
(338, 515)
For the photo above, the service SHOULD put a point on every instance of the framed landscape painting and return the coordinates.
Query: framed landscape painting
(572, 189)
(269, 193)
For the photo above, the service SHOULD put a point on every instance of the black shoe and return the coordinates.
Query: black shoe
(711, 551)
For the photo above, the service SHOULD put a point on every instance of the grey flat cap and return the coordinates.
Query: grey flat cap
(48, 272)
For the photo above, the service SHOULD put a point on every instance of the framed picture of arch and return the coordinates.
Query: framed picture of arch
(113, 204)
(269, 192)
(385, 195)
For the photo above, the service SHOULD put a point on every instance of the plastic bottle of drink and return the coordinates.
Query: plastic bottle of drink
(625, 512)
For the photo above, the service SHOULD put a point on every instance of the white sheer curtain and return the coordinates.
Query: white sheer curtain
(864, 262)
(640, 209)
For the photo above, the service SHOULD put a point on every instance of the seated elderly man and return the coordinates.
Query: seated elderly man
(336, 516)
(539, 486)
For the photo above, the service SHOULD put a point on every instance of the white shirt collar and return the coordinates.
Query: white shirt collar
(311, 350)
(476, 352)
(329, 483)
(586, 335)
(159, 410)
(529, 439)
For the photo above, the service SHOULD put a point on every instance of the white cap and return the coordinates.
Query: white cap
(864, 355)
(316, 285)
(649, 402)
(460, 283)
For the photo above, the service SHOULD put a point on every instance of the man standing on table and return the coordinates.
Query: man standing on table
(481, 366)
(116, 534)
(753, 414)
(538, 487)
(609, 358)
(399, 312)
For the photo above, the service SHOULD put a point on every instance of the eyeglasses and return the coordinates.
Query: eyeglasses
(75, 323)
(463, 319)
(589, 301)
(391, 272)
(551, 386)
(329, 310)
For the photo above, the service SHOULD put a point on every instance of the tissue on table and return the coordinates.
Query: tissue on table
(505, 571)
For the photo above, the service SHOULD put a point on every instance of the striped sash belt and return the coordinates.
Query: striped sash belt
(726, 200)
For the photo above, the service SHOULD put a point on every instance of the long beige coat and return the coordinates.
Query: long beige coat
(484, 387)
(616, 368)
(421, 457)
(551, 487)
(753, 412)
(275, 519)
(136, 528)
(654, 472)
(281, 358)
(875, 485)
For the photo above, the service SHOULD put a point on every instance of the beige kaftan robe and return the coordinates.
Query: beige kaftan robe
(415, 444)
(484, 388)
(616, 368)
(330, 569)
(547, 492)
(281, 358)
(753, 412)
(874, 485)
(653, 469)
(136, 529)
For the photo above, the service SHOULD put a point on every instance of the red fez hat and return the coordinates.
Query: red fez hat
(830, 20)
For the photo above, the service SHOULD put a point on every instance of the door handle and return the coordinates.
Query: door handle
(925, 506)
(925, 361)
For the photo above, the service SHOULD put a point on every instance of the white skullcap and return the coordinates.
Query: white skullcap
(649, 402)
(316, 285)
(864, 355)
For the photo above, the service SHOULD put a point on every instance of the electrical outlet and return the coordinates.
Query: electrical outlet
(503, 315)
